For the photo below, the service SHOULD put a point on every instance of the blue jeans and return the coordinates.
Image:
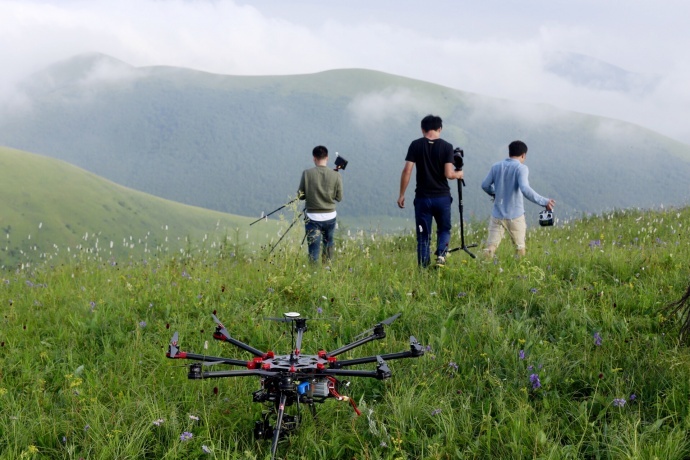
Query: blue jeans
(316, 232)
(426, 209)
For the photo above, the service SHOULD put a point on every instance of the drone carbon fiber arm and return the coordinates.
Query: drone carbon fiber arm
(174, 352)
(357, 343)
(377, 333)
(223, 335)
(196, 373)
(415, 351)
(209, 359)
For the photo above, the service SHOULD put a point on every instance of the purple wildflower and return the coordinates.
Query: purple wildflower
(597, 339)
(534, 380)
(521, 354)
(319, 310)
(595, 243)
(142, 323)
(632, 397)
(618, 402)
(435, 412)
(186, 436)
(462, 294)
(533, 290)
(206, 449)
(453, 365)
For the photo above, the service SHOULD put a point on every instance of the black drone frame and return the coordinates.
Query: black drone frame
(294, 378)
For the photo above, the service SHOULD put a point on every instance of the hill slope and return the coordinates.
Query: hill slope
(51, 208)
(239, 144)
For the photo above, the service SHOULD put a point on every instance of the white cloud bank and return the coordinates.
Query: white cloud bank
(493, 48)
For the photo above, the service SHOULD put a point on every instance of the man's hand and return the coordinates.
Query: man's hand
(401, 201)
(550, 205)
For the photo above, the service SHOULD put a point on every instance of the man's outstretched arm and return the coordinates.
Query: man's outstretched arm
(404, 182)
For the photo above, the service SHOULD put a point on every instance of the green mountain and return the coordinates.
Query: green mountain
(238, 144)
(51, 210)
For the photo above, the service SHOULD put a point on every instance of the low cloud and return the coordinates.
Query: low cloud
(389, 105)
(490, 49)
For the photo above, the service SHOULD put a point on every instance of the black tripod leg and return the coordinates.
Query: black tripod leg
(463, 246)
(286, 232)
(279, 422)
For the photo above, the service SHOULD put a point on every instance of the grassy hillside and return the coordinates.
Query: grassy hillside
(51, 209)
(238, 144)
(564, 354)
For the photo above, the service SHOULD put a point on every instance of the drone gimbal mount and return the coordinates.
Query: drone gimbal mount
(294, 378)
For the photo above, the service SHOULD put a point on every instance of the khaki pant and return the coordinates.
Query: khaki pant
(517, 228)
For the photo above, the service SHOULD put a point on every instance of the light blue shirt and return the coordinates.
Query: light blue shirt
(507, 181)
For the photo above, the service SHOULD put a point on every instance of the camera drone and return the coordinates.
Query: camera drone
(294, 379)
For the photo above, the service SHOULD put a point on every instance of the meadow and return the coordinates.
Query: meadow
(564, 354)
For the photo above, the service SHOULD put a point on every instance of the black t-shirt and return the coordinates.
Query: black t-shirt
(430, 158)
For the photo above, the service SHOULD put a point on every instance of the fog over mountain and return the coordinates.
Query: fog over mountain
(238, 144)
(495, 48)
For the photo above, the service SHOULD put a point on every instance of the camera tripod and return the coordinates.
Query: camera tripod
(294, 221)
(273, 212)
(461, 184)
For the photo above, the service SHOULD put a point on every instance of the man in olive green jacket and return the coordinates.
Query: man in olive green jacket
(320, 187)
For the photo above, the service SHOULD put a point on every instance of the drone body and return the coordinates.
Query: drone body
(294, 379)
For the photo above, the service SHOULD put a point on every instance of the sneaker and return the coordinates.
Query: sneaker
(440, 261)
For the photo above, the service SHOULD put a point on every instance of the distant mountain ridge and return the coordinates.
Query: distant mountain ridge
(238, 144)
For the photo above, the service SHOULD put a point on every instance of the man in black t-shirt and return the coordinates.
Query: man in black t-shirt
(434, 160)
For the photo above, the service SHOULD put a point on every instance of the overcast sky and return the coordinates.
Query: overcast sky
(626, 59)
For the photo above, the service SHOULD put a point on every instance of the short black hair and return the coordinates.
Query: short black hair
(320, 152)
(517, 148)
(431, 123)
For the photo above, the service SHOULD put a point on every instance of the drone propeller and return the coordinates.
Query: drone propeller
(172, 348)
(288, 317)
(210, 363)
(221, 328)
(388, 321)
(280, 320)
(385, 322)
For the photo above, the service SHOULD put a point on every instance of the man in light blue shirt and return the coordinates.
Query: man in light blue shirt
(507, 182)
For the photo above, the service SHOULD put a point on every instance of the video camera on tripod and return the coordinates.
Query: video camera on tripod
(458, 163)
(340, 162)
(458, 158)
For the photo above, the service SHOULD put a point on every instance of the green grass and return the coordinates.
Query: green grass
(84, 373)
(53, 211)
